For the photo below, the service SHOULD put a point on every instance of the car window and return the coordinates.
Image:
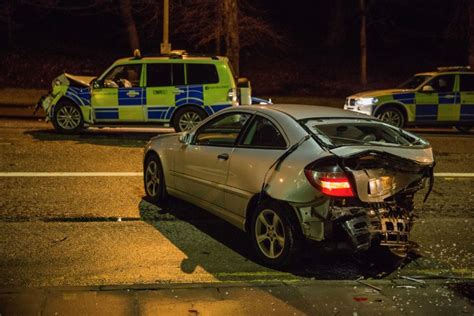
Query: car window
(444, 83)
(467, 83)
(177, 75)
(345, 132)
(123, 76)
(262, 133)
(202, 74)
(222, 131)
(414, 82)
(158, 75)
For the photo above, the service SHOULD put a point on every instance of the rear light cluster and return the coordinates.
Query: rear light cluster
(232, 96)
(333, 182)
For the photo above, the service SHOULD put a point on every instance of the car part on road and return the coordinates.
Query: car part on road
(67, 118)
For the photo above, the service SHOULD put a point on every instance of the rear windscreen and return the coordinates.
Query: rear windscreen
(343, 132)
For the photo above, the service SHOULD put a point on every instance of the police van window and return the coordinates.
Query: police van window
(202, 74)
(262, 133)
(178, 75)
(124, 76)
(443, 83)
(158, 75)
(467, 83)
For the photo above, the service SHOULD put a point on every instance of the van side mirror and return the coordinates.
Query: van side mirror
(427, 88)
(185, 138)
(96, 84)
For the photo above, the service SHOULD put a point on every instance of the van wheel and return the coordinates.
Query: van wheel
(67, 118)
(186, 118)
(275, 234)
(463, 128)
(392, 116)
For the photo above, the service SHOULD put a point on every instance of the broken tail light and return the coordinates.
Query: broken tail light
(331, 181)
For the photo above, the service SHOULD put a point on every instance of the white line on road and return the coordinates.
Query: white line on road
(139, 174)
(71, 174)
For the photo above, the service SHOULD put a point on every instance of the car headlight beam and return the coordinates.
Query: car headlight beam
(366, 101)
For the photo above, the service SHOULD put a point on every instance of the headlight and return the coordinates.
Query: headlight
(366, 101)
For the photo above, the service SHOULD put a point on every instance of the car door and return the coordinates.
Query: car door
(466, 88)
(436, 100)
(202, 165)
(263, 142)
(121, 95)
(162, 87)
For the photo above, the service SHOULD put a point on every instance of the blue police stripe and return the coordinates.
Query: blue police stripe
(157, 113)
(453, 98)
(467, 112)
(125, 99)
(190, 95)
(106, 113)
(170, 112)
(426, 112)
(408, 98)
(82, 96)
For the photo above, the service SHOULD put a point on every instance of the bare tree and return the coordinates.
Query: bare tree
(127, 16)
(336, 27)
(232, 42)
(471, 33)
(363, 42)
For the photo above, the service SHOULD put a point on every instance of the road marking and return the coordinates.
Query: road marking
(71, 174)
(139, 174)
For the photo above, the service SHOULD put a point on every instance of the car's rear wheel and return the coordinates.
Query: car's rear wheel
(275, 234)
(463, 128)
(154, 179)
(67, 118)
(392, 116)
(188, 117)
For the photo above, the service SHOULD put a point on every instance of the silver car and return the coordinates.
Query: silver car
(286, 173)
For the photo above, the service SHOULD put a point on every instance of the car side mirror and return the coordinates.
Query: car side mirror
(427, 88)
(185, 138)
(96, 84)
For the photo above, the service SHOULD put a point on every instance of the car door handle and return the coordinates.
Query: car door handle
(223, 156)
(449, 96)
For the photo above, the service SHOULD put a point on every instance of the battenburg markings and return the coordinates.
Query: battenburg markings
(426, 112)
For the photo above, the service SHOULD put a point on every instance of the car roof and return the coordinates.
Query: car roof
(301, 111)
(168, 58)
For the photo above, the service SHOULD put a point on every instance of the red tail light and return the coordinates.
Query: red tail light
(330, 183)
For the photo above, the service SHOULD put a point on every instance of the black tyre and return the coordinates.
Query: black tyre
(154, 180)
(463, 128)
(275, 233)
(67, 118)
(188, 117)
(392, 116)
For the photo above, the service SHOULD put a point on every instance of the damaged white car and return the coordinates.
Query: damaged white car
(284, 173)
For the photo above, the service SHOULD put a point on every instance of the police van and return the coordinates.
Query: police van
(177, 89)
(442, 98)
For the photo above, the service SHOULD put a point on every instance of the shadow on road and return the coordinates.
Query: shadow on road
(120, 137)
(315, 263)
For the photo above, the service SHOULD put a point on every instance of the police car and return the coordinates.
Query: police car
(443, 97)
(177, 89)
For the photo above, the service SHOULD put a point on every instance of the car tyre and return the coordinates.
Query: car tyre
(154, 180)
(188, 117)
(463, 128)
(392, 116)
(275, 233)
(67, 118)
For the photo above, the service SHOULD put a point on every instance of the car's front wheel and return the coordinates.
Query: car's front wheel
(392, 116)
(154, 180)
(275, 234)
(67, 118)
(188, 117)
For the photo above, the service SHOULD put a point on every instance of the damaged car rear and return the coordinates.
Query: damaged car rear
(286, 173)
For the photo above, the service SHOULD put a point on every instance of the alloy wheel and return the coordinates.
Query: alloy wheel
(68, 117)
(152, 179)
(188, 120)
(270, 234)
(392, 117)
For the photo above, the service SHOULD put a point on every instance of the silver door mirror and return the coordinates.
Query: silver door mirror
(427, 88)
(185, 138)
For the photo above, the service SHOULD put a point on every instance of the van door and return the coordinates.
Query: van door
(162, 80)
(438, 104)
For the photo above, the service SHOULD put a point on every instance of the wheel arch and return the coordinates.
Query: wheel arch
(257, 199)
(62, 100)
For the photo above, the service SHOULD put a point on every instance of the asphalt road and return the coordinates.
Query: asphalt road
(68, 231)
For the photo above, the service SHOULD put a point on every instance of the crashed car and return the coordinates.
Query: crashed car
(178, 89)
(286, 173)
